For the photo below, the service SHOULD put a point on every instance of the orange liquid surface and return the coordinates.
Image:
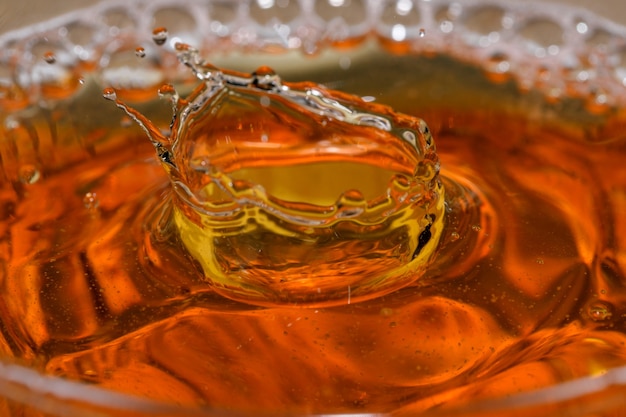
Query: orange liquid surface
(526, 289)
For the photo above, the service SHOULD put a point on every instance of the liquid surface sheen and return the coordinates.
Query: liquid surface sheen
(525, 289)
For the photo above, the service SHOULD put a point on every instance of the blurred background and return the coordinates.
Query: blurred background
(15, 14)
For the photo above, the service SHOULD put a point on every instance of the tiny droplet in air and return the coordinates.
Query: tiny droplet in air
(159, 35)
(49, 57)
(140, 52)
(109, 93)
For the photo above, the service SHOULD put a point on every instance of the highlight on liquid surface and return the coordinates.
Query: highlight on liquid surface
(525, 289)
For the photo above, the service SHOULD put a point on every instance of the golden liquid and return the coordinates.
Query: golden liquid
(526, 289)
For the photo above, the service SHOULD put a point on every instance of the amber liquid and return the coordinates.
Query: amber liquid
(526, 289)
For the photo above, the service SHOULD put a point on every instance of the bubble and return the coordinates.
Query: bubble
(50, 57)
(90, 201)
(140, 52)
(498, 67)
(109, 93)
(159, 35)
(539, 261)
(476, 227)
(29, 174)
(454, 236)
(386, 311)
(599, 311)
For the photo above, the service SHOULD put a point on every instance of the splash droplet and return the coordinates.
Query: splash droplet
(109, 93)
(159, 35)
(49, 57)
(140, 52)
(167, 91)
(266, 78)
(184, 47)
(422, 33)
(217, 175)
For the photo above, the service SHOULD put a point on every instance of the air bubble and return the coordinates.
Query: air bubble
(140, 52)
(454, 236)
(29, 174)
(159, 35)
(90, 201)
(599, 311)
(498, 67)
(50, 57)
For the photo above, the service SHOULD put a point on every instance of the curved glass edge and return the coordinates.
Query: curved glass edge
(595, 395)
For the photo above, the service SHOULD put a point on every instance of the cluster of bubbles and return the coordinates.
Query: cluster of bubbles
(562, 51)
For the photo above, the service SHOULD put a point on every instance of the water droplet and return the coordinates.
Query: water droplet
(168, 91)
(29, 174)
(49, 57)
(266, 79)
(159, 35)
(140, 52)
(184, 47)
(109, 93)
(599, 311)
(90, 200)
(422, 33)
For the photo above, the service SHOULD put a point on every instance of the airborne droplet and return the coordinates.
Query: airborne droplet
(159, 35)
(140, 52)
(49, 57)
(167, 91)
(109, 93)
